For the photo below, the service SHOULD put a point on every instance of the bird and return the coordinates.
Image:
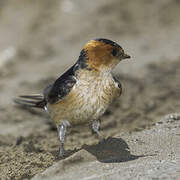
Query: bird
(83, 93)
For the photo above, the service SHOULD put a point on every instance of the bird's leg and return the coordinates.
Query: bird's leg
(96, 128)
(62, 129)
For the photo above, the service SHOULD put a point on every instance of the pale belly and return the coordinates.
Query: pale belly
(83, 103)
(79, 110)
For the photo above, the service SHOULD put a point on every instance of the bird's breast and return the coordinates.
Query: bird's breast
(88, 99)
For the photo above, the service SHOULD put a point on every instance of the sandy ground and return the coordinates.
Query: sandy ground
(40, 39)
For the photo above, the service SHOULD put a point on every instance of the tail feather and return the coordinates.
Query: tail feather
(34, 100)
(33, 96)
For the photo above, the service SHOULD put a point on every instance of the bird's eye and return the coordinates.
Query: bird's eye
(115, 52)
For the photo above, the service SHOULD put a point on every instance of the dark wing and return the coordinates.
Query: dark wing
(61, 87)
(118, 83)
(52, 93)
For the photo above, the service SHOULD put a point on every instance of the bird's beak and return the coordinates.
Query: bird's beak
(125, 56)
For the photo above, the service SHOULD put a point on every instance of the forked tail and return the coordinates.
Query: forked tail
(34, 100)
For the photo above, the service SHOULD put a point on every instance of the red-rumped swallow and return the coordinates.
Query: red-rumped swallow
(83, 93)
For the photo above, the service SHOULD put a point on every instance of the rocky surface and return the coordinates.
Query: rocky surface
(148, 154)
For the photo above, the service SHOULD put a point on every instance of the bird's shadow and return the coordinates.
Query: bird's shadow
(111, 150)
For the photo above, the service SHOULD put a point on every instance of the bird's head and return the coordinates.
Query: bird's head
(102, 55)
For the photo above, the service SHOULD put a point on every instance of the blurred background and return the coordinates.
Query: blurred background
(40, 39)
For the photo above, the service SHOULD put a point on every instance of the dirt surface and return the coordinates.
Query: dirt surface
(149, 154)
(39, 40)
